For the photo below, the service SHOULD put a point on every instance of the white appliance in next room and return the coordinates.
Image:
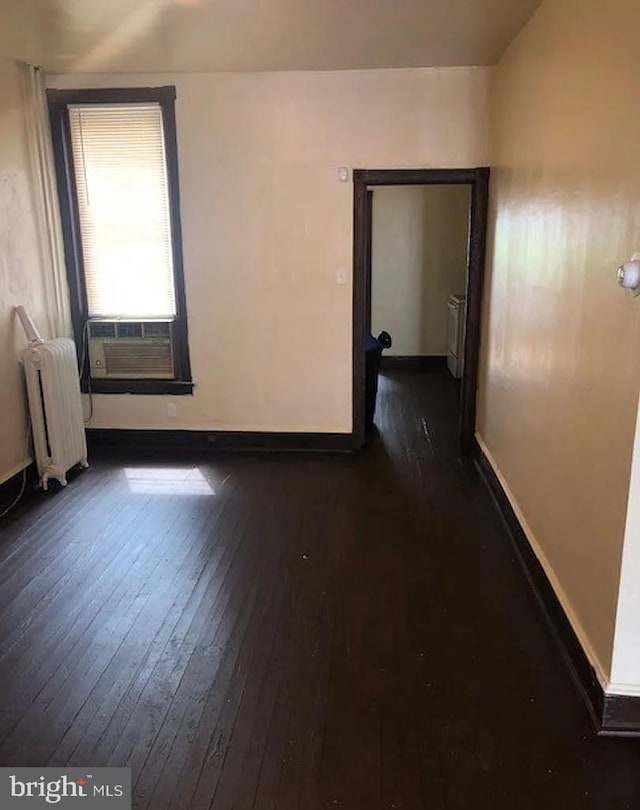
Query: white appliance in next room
(457, 305)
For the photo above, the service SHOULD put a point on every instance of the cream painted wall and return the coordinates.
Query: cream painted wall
(625, 667)
(25, 24)
(20, 268)
(266, 225)
(561, 367)
(419, 258)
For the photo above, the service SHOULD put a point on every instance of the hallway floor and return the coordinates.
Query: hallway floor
(296, 631)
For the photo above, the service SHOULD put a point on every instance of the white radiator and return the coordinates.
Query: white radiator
(51, 371)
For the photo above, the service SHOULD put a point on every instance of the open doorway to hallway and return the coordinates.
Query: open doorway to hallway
(425, 234)
(419, 257)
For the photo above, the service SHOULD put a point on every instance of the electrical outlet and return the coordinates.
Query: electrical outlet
(172, 410)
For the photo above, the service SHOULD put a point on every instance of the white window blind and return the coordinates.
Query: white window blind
(123, 201)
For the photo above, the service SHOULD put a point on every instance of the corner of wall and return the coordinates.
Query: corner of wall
(560, 592)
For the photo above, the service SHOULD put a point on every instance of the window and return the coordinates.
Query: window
(118, 181)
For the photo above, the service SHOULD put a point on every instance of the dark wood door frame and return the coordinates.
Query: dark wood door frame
(368, 228)
(478, 179)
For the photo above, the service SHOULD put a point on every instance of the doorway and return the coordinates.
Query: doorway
(364, 181)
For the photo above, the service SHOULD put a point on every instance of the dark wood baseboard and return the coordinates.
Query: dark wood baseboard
(612, 715)
(10, 489)
(206, 441)
(620, 716)
(431, 362)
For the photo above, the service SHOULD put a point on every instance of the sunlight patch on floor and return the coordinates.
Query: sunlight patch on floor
(167, 481)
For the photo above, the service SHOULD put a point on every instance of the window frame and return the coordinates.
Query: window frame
(59, 101)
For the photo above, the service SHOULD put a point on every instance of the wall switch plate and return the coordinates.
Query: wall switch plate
(343, 174)
(172, 410)
(341, 277)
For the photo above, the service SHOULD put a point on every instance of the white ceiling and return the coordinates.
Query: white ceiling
(204, 35)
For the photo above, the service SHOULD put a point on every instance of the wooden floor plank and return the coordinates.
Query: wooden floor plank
(169, 592)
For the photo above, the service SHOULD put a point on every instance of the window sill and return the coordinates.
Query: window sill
(173, 387)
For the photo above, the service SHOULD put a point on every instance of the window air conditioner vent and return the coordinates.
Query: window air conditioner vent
(102, 329)
(157, 329)
(133, 350)
(129, 329)
(140, 358)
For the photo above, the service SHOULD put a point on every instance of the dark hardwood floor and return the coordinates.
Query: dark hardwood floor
(296, 631)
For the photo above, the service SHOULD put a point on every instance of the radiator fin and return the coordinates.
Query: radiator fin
(55, 407)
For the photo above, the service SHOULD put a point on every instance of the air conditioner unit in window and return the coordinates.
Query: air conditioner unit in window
(134, 350)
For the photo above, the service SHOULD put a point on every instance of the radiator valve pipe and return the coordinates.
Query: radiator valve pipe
(33, 336)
